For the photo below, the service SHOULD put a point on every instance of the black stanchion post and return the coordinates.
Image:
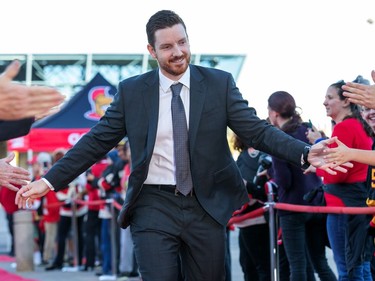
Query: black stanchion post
(273, 249)
(75, 232)
(113, 238)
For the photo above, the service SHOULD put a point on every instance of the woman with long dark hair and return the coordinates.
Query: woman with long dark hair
(301, 231)
(347, 233)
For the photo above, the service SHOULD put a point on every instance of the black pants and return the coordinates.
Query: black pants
(11, 231)
(255, 252)
(92, 239)
(306, 232)
(165, 226)
(64, 228)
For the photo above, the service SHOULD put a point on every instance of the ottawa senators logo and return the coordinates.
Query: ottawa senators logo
(99, 99)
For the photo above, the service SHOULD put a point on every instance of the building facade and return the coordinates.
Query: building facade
(70, 72)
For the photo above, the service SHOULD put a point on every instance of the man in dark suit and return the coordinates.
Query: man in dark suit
(166, 224)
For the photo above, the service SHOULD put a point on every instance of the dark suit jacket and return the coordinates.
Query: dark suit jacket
(215, 105)
(14, 129)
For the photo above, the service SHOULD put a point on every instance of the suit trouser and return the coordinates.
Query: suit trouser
(165, 226)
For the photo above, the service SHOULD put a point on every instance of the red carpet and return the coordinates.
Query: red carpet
(6, 276)
(5, 258)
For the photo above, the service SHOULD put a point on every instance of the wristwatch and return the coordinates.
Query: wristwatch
(304, 162)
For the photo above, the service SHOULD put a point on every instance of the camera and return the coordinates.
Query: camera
(265, 162)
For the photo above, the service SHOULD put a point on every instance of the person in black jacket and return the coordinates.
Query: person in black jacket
(253, 235)
(301, 231)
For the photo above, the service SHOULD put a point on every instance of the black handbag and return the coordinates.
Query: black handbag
(313, 193)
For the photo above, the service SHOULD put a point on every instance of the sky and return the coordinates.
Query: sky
(296, 46)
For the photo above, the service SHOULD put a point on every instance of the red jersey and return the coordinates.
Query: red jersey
(7, 198)
(93, 193)
(51, 207)
(351, 132)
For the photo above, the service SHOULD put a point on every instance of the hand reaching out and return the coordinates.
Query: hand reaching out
(27, 194)
(11, 176)
(342, 154)
(19, 101)
(361, 94)
(309, 170)
(313, 134)
(318, 158)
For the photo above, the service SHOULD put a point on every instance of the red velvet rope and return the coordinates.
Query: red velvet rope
(95, 202)
(322, 209)
(54, 205)
(250, 215)
(78, 201)
(305, 209)
(83, 202)
(117, 205)
(257, 212)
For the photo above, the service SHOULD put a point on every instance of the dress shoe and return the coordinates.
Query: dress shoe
(99, 273)
(86, 268)
(53, 267)
(44, 263)
(128, 274)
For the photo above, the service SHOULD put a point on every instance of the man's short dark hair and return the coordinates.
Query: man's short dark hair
(161, 20)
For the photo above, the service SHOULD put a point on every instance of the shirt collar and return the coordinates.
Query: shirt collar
(165, 82)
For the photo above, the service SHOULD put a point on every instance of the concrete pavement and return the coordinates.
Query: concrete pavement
(39, 274)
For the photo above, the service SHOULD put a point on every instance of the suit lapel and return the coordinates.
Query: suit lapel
(197, 97)
(151, 101)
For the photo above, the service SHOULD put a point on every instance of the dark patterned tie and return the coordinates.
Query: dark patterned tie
(181, 142)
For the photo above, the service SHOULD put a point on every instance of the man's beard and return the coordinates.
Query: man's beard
(176, 71)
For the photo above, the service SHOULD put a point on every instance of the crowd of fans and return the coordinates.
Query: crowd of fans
(75, 226)
(78, 219)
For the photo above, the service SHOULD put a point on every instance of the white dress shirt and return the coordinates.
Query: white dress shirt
(162, 166)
